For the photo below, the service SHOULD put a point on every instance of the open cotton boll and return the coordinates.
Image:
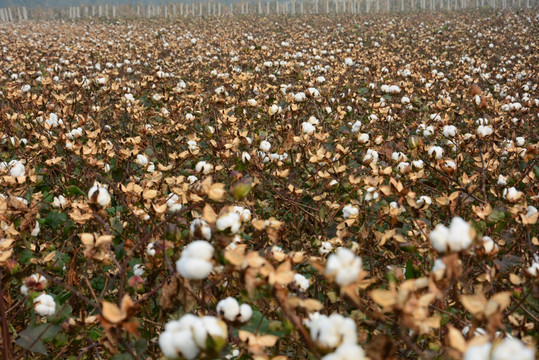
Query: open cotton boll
(98, 194)
(195, 269)
(16, 168)
(418, 164)
(333, 331)
(344, 265)
(348, 62)
(138, 270)
(356, 126)
(192, 145)
(370, 157)
(347, 352)
(436, 151)
(363, 138)
(307, 128)
(274, 109)
(245, 214)
(265, 146)
(455, 238)
(349, 211)
(520, 141)
(512, 348)
(44, 305)
(203, 167)
(195, 260)
(173, 203)
(450, 131)
(246, 312)
(302, 282)
(533, 270)
(512, 194)
(36, 230)
(405, 100)
(229, 222)
(199, 228)
(228, 308)
(398, 156)
(175, 343)
(484, 131)
(478, 352)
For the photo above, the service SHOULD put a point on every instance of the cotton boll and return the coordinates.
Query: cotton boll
(199, 249)
(36, 230)
(192, 145)
(478, 352)
(371, 194)
(348, 62)
(307, 128)
(398, 156)
(245, 157)
(344, 266)
(150, 249)
(520, 141)
(229, 222)
(195, 269)
(438, 238)
(502, 180)
(356, 126)
(512, 194)
(333, 331)
(489, 245)
(370, 157)
(511, 348)
(192, 179)
(450, 131)
(203, 167)
(265, 146)
(418, 164)
(16, 168)
(302, 282)
(274, 109)
(229, 308)
(436, 152)
(98, 194)
(138, 270)
(459, 234)
(44, 305)
(348, 351)
(405, 100)
(350, 211)
(246, 312)
(173, 203)
(325, 247)
(363, 138)
(484, 131)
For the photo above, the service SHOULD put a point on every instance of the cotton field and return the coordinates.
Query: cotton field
(331, 187)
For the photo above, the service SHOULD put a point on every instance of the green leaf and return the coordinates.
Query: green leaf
(496, 215)
(75, 190)
(32, 337)
(141, 345)
(55, 218)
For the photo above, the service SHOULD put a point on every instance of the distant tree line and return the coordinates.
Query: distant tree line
(62, 3)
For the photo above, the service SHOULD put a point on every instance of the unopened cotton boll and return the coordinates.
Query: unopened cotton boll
(344, 266)
(350, 211)
(44, 305)
(98, 194)
(347, 352)
(265, 146)
(229, 222)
